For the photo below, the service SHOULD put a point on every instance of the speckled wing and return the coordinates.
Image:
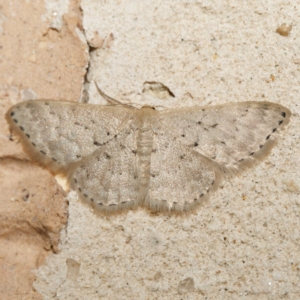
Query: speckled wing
(59, 133)
(201, 144)
(180, 178)
(108, 179)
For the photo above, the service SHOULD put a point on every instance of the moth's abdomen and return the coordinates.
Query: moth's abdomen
(144, 149)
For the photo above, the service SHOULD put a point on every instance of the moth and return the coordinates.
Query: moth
(119, 157)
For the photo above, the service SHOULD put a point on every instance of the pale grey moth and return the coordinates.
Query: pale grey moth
(119, 157)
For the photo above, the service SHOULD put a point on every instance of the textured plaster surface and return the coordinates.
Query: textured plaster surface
(243, 244)
(33, 211)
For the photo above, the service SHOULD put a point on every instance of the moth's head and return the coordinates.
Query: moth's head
(147, 111)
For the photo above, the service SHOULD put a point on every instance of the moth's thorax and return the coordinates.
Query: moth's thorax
(147, 116)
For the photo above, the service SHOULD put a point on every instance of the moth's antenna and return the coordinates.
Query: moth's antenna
(110, 100)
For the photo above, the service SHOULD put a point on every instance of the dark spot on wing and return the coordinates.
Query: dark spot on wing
(196, 144)
(15, 120)
(33, 144)
(134, 151)
(183, 135)
(75, 180)
(268, 137)
(12, 113)
(43, 152)
(28, 135)
(78, 156)
(283, 114)
(54, 159)
(107, 156)
(280, 122)
(108, 133)
(215, 125)
(25, 198)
